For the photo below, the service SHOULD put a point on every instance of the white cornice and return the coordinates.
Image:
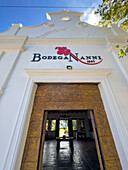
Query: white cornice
(66, 41)
(12, 43)
(113, 41)
(61, 75)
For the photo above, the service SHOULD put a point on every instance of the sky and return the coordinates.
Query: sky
(33, 14)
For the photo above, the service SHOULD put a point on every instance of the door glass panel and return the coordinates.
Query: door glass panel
(53, 125)
(63, 128)
(74, 125)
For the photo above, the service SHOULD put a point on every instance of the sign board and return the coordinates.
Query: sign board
(66, 54)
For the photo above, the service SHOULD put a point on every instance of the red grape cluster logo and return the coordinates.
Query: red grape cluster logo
(65, 51)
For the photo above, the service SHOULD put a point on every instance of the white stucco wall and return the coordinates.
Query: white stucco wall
(86, 40)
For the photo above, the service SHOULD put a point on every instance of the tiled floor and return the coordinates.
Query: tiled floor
(84, 156)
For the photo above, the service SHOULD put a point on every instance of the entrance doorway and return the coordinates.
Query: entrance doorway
(77, 125)
(70, 96)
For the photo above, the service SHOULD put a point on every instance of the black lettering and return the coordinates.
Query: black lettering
(49, 57)
(82, 58)
(88, 61)
(54, 57)
(44, 57)
(88, 57)
(99, 57)
(66, 58)
(60, 57)
(70, 58)
(70, 55)
(94, 57)
(36, 57)
(92, 61)
(77, 55)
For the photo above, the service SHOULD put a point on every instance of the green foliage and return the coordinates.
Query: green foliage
(74, 124)
(122, 52)
(113, 11)
(47, 125)
(53, 125)
(117, 46)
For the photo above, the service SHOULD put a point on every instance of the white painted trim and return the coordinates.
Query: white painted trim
(111, 107)
(8, 44)
(120, 65)
(63, 75)
(25, 123)
(6, 76)
(13, 43)
(67, 41)
(15, 150)
(112, 111)
(113, 41)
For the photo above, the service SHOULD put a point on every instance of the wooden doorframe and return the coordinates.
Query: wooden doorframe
(97, 141)
(42, 139)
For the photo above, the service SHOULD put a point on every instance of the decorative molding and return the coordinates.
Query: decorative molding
(112, 41)
(82, 24)
(66, 41)
(117, 30)
(12, 43)
(5, 77)
(62, 75)
(122, 68)
(48, 24)
(63, 29)
(52, 31)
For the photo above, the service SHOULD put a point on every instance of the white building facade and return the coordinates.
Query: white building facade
(29, 55)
